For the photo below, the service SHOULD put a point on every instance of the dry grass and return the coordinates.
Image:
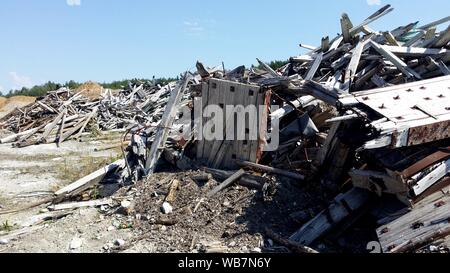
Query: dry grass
(73, 169)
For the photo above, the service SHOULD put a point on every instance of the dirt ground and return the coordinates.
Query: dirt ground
(235, 220)
(232, 221)
(32, 174)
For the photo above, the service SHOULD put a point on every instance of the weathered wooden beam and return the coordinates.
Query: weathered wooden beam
(49, 128)
(414, 51)
(268, 68)
(353, 65)
(226, 183)
(343, 206)
(295, 246)
(163, 128)
(435, 23)
(270, 170)
(86, 122)
(89, 180)
(443, 39)
(83, 204)
(395, 60)
(314, 67)
(346, 25)
(390, 38)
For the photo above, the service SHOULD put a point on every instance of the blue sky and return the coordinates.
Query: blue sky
(105, 40)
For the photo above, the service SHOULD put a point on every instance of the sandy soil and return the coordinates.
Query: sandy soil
(32, 174)
(8, 105)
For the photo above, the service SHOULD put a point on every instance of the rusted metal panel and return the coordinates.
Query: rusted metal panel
(429, 133)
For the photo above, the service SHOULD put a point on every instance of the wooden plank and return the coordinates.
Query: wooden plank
(325, 44)
(225, 150)
(346, 25)
(353, 65)
(83, 204)
(89, 180)
(431, 178)
(443, 39)
(268, 169)
(261, 122)
(395, 60)
(435, 23)
(217, 96)
(343, 206)
(422, 221)
(166, 122)
(226, 183)
(414, 51)
(49, 128)
(288, 243)
(377, 182)
(86, 122)
(390, 38)
(40, 218)
(267, 68)
(314, 67)
(201, 142)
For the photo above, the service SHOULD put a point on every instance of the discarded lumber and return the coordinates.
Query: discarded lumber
(226, 183)
(172, 190)
(163, 128)
(343, 206)
(295, 246)
(270, 170)
(89, 180)
(40, 218)
(84, 204)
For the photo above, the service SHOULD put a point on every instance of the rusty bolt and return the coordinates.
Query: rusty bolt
(447, 108)
(427, 98)
(423, 87)
(365, 98)
(441, 96)
(385, 230)
(409, 90)
(397, 97)
(382, 106)
(439, 204)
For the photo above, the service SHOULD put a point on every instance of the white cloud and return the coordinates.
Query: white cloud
(19, 81)
(73, 2)
(193, 28)
(373, 2)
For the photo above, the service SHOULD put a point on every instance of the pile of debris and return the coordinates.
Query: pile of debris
(366, 113)
(363, 124)
(66, 114)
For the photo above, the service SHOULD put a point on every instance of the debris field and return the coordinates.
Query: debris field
(361, 163)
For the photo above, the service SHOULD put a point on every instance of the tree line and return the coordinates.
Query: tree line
(41, 90)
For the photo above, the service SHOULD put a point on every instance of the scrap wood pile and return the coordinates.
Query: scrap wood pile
(363, 124)
(365, 113)
(64, 114)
